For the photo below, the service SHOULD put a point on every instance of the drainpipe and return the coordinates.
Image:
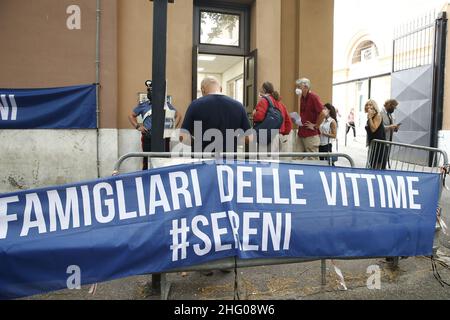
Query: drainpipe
(97, 81)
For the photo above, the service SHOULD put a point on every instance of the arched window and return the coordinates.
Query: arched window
(366, 51)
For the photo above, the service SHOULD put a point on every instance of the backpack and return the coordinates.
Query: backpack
(272, 121)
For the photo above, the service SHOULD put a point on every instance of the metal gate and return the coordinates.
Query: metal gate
(418, 81)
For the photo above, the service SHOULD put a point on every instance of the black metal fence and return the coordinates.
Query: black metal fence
(414, 43)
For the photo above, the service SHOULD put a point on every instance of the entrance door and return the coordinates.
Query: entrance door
(228, 70)
(236, 74)
(194, 72)
(250, 83)
(222, 42)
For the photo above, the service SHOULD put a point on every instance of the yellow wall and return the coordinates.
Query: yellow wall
(108, 65)
(179, 53)
(41, 52)
(267, 15)
(316, 45)
(289, 52)
(135, 53)
(294, 39)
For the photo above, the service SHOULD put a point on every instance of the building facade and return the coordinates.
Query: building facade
(55, 43)
(376, 48)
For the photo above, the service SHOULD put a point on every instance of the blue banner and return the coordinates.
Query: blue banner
(155, 221)
(57, 108)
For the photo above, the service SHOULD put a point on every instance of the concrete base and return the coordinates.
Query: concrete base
(130, 141)
(41, 158)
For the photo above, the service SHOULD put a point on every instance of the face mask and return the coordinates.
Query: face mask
(298, 92)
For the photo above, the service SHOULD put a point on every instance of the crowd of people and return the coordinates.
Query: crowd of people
(218, 123)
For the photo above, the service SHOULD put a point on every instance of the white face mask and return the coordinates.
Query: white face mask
(298, 92)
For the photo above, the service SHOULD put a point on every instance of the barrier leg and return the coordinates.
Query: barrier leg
(393, 262)
(160, 285)
(324, 272)
(156, 283)
(165, 287)
(437, 233)
(237, 295)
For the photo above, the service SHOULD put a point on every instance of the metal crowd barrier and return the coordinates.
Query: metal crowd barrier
(160, 283)
(405, 157)
(253, 156)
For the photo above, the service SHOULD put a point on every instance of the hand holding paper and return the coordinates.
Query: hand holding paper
(296, 118)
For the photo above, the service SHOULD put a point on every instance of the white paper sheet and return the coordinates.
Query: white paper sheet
(296, 118)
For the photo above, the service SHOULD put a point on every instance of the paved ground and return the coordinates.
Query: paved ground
(413, 279)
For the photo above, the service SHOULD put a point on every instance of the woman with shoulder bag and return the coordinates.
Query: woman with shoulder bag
(271, 98)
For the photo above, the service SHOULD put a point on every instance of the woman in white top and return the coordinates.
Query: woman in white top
(328, 130)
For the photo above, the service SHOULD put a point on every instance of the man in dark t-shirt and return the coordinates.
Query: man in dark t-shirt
(215, 119)
(209, 118)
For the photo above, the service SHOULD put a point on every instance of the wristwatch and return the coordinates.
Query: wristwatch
(138, 126)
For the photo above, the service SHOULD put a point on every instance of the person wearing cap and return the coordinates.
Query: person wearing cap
(144, 110)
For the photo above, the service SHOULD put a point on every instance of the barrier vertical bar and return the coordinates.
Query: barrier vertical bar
(323, 268)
